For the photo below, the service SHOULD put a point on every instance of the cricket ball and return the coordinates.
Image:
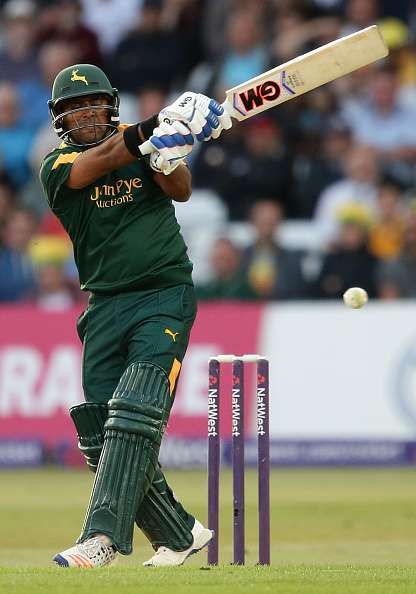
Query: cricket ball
(355, 297)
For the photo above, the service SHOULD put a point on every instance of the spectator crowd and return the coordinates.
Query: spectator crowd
(300, 202)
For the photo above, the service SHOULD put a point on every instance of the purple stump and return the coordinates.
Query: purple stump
(238, 460)
(263, 442)
(213, 457)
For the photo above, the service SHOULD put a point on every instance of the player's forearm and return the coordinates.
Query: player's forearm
(119, 150)
(177, 185)
(99, 160)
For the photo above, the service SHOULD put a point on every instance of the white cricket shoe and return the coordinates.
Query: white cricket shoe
(165, 557)
(94, 552)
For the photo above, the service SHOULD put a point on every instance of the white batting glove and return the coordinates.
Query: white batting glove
(204, 116)
(173, 142)
(160, 165)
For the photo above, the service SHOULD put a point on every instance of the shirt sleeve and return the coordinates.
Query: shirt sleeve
(54, 173)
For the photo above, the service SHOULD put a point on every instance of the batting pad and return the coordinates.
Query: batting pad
(138, 414)
(89, 419)
(163, 519)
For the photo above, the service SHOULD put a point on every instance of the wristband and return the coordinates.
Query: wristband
(147, 126)
(132, 140)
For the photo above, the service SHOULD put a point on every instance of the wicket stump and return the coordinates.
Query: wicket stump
(238, 461)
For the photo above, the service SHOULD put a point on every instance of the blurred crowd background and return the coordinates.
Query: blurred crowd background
(301, 202)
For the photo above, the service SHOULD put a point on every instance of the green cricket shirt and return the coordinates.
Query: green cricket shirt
(122, 226)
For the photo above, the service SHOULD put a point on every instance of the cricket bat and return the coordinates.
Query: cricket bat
(302, 74)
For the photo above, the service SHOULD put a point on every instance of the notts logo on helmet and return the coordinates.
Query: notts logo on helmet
(75, 77)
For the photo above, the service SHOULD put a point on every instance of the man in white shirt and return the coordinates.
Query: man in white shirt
(359, 185)
(100, 16)
(384, 124)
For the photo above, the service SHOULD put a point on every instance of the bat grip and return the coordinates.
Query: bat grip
(146, 148)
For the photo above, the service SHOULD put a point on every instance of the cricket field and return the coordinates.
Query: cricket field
(335, 531)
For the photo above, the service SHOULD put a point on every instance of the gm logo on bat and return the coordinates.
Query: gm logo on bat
(266, 91)
(255, 97)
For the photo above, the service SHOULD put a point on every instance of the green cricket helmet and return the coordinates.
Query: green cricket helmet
(78, 81)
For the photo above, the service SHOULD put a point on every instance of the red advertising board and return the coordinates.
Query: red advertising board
(40, 357)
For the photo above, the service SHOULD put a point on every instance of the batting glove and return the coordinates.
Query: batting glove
(160, 165)
(172, 143)
(204, 116)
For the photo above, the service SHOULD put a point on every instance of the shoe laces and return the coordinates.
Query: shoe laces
(94, 547)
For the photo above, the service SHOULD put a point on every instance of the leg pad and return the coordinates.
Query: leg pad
(163, 519)
(138, 413)
(160, 516)
(89, 419)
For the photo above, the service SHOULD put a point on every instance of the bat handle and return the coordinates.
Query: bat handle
(228, 107)
(146, 148)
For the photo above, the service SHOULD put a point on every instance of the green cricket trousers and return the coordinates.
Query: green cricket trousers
(121, 329)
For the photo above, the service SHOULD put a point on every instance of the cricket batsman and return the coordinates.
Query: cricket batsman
(116, 206)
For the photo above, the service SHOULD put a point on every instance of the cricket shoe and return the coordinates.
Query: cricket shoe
(165, 557)
(94, 552)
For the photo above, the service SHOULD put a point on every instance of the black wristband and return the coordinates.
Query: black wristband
(132, 140)
(147, 126)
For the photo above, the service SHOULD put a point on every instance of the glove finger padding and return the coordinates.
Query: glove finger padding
(170, 136)
(196, 125)
(204, 116)
(216, 118)
(183, 128)
(172, 142)
(224, 118)
(178, 131)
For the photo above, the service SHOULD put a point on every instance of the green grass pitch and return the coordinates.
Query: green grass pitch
(349, 531)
